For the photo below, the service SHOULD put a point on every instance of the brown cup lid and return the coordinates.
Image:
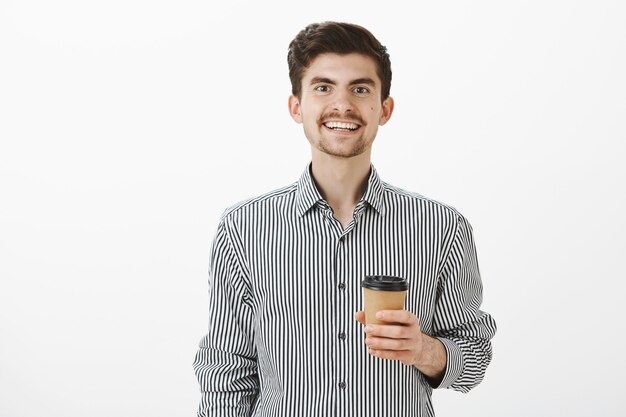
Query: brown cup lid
(384, 283)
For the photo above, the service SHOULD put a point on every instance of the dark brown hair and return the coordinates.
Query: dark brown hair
(338, 38)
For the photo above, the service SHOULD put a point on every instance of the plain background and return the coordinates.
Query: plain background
(127, 127)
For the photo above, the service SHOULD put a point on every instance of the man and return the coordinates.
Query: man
(285, 331)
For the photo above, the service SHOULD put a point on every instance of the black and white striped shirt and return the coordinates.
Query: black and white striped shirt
(285, 284)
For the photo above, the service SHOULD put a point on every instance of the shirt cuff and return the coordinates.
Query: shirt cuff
(454, 363)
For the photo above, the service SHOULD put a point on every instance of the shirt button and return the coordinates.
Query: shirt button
(342, 385)
(342, 286)
(342, 336)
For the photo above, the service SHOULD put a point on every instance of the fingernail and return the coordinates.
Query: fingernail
(379, 315)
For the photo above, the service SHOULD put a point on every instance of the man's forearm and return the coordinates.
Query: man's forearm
(432, 361)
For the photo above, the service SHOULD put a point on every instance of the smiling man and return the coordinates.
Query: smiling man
(286, 334)
(341, 114)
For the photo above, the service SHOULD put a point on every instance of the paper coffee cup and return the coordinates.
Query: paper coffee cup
(382, 292)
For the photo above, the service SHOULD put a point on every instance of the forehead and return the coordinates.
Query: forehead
(342, 67)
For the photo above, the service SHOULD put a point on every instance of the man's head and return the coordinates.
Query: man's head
(338, 38)
(340, 78)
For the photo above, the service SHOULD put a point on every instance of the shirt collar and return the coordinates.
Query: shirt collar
(307, 194)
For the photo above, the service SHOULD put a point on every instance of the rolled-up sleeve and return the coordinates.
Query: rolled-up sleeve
(464, 329)
(225, 364)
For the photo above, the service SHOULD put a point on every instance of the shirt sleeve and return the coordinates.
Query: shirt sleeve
(225, 364)
(464, 329)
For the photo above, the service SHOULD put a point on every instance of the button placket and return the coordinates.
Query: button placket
(341, 297)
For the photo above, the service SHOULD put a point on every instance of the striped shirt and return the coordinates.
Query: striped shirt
(284, 286)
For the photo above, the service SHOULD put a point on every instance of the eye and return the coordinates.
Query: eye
(322, 88)
(361, 90)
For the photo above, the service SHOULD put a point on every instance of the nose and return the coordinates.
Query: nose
(341, 102)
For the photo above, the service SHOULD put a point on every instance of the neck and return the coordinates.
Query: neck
(341, 181)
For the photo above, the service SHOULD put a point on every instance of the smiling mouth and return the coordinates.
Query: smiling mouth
(342, 126)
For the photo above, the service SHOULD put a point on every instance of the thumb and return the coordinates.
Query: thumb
(360, 316)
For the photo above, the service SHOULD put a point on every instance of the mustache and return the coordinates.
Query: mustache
(348, 116)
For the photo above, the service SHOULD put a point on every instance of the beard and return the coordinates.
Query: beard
(341, 150)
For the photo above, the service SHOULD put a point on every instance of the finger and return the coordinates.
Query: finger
(402, 355)
(383, 343)
(391, 331)
(360, 316)
(397, 316)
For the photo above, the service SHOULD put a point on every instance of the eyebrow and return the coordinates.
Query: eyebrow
(366, 81)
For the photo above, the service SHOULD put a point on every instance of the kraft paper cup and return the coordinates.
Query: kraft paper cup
(382, 293)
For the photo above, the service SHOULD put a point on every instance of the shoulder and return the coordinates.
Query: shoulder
(426, 210)
(399, 196)
(275, 199)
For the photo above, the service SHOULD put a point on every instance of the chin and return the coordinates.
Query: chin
(341, 152)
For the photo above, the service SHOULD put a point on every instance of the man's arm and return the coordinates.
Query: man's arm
(458, 322)
(459, 354)
(225, 363)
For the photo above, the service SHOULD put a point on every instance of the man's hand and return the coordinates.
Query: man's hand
(402, 339)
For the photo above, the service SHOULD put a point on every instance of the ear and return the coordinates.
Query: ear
(386, 111)
(294, 109)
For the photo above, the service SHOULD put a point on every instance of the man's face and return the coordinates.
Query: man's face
(340, 106)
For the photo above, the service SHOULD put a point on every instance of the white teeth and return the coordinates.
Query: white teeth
(341, 125)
